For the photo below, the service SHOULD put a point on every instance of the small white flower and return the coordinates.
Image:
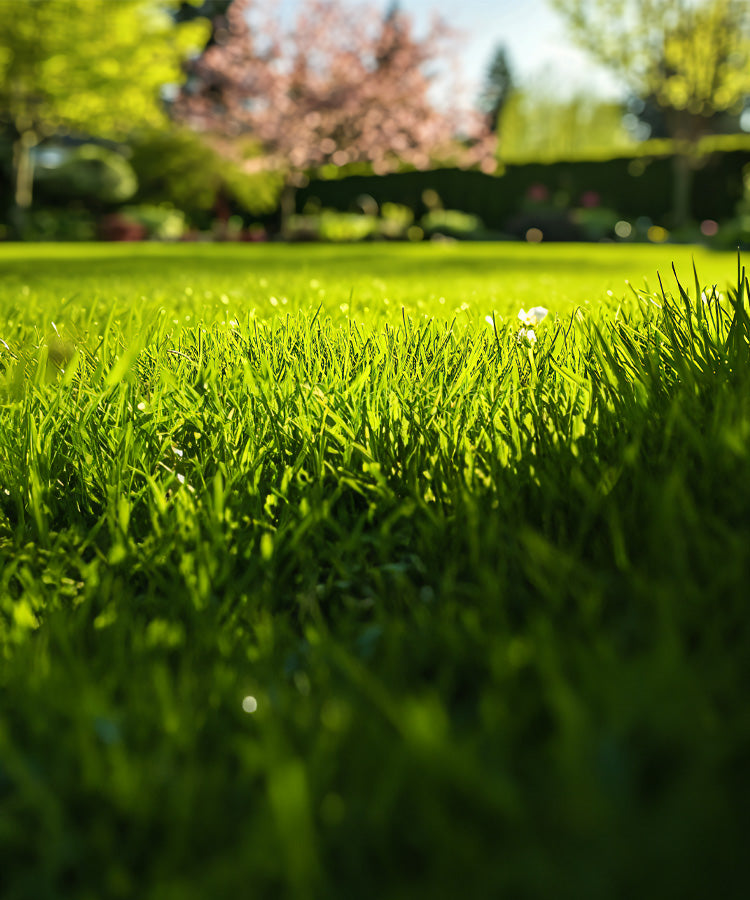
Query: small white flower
(534, 316)
(489, 320)
(527, 334)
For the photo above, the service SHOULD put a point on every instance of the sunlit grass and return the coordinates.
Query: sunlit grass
(333, 597)
(372, 281)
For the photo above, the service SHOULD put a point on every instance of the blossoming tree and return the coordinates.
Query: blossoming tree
(342, 85)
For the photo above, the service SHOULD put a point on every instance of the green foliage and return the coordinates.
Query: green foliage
(176, 166)
(56, 224)
(395, 219)
(179, 167)
(596, 223)
(89, 174)
(539, 127)
(162, 222)
(335, 226)
(498, 87)
(363, 601)
(450, 222)
(691, 58)
(635, 185)
(93, 65)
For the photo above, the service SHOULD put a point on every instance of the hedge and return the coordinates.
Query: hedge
(633, 186)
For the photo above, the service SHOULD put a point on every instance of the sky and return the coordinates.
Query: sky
(533, 34)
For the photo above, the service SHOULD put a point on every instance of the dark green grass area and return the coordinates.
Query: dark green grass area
(489, 597)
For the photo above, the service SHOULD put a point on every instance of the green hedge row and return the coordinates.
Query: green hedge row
(633, 186)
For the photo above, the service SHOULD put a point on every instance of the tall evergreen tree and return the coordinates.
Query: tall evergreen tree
(497, 88)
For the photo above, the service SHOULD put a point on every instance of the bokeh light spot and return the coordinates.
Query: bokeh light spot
(657, 234)
(623, 229)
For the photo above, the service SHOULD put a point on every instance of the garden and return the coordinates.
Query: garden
(332, 571)
(374, 472)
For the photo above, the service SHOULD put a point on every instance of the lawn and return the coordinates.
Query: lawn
(315, 583)
(374, 281)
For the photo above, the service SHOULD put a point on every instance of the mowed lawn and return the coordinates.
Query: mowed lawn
(374, 281)
(314, 582)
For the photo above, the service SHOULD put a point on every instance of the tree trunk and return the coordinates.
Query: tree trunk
(23, 165)
(287, 206)
(23, 187)
(682, 170)
(686, 130)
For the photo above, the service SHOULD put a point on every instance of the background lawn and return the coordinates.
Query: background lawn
(208, 281)
(323, 598)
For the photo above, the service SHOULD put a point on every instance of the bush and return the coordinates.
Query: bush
(451, 223)
(329, 225)
(180, 168)
(395, 221)
(161, 223)
(632, 186)
(554, 225)
(346, 227)
(119, 227)
(57, 225)
(88, 174)
(597, 223)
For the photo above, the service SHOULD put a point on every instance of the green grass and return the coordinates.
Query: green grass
(489, 597)
(217, 283)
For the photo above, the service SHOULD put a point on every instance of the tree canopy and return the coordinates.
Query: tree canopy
(338, 86)
(92, 66)
(497, 87)
(692, 57)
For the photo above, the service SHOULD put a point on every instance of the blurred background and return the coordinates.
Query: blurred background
(336, 120)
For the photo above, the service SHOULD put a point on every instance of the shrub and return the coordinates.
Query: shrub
(596, 223)
(633, 186)
(329, 225)
(162, 223)
(88, 174)
(451, 223)
(180, 168)
(395, 221)
(47, 224)
(119, 227)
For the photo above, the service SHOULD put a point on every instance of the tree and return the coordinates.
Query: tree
(690, 57)
(92, 66)
(536, 125)
(497, 88)
(340, 86)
